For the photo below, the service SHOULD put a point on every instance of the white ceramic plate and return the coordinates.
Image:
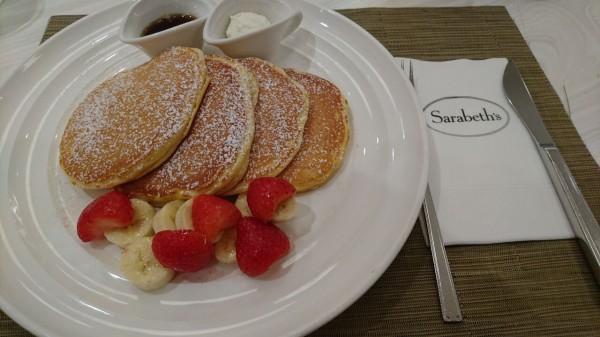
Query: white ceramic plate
(345, 236)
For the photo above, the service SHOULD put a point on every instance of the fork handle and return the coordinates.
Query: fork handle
(446, 291)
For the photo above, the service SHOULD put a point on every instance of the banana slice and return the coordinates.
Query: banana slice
(241, 202)
(284, 212)
(164, 219)
(183, 218)
(143, 213)
(141, 268)
(225, 247)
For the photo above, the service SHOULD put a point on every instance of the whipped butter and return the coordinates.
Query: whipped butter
(245, 22)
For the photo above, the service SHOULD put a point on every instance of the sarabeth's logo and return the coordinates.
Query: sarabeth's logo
(465, 116)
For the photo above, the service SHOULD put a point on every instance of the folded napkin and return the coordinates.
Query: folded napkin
(486, 178)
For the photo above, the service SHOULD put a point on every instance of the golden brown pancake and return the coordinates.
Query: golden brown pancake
(214, 155)
(132, 122)
(280, 115)
(326, 134)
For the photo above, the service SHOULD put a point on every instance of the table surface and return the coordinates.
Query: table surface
(564, 36)
(520, 264)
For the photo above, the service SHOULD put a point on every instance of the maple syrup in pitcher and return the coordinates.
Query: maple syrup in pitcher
(167, 21)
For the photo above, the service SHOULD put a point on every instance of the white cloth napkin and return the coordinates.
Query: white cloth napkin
(486, 177)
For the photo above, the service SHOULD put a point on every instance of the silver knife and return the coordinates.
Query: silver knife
(580, 216)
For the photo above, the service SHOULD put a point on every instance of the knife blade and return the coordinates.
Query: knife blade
(578, 213)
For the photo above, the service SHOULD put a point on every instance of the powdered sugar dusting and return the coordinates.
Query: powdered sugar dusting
(133, 118)
(220, 137)
(325, 133)
(280, 116)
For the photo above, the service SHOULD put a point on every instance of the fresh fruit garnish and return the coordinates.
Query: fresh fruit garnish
(225, 247)
(241, 202)
(164, 219)
(266, 194)
(109, 211)
(183, 217)
(211, 215)
(140, 267)
(141, 226)
(259, 245)
(182, 250)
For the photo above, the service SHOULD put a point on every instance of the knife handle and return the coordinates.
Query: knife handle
(580, 216)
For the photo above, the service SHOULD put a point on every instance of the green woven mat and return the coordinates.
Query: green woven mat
(56, 23)
(515, 289)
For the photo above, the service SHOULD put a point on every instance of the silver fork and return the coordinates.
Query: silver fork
(433, 239)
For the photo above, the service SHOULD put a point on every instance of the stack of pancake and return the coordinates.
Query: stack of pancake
(185, 124)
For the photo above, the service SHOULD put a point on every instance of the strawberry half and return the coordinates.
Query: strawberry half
(211, 215)
(259, 245)
(109, 211)
(182, 250)
(266, 194)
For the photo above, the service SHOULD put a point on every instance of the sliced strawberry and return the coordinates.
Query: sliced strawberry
(266, 194)
(109, 211)
(211, 215)
(182, 250)
(259, 245)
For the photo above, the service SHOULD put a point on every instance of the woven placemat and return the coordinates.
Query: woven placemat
(516, 289)
(56, 23)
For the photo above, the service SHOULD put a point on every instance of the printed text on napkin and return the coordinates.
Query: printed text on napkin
(487, 180)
